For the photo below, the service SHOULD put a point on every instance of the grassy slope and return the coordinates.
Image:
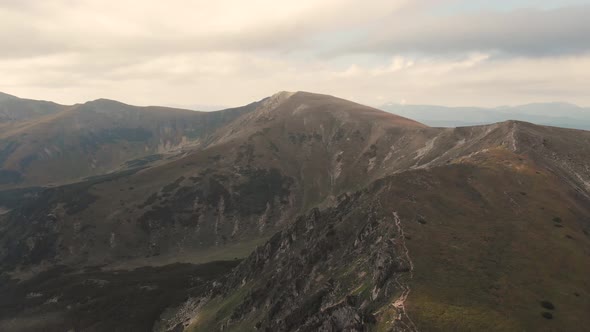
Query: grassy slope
(488, 264)
(63, 299)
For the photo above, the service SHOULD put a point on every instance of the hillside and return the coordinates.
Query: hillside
(479, 244)
(308, 212)
(253, 177)
(46, 143)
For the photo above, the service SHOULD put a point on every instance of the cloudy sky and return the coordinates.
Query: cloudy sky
(231, 52)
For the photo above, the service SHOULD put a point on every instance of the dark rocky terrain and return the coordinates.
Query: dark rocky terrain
(299, 212)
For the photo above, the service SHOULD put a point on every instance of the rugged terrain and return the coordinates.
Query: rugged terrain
(299, 212)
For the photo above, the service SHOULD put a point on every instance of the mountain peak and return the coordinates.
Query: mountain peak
(102, 105)
(346, 109)
(104, 101)
(6, 96)
(283, 94)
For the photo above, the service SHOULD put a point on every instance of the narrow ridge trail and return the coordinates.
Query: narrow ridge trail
(400, 303)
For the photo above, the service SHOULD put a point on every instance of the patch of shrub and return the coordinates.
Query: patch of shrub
(547, 305)
(547, 315)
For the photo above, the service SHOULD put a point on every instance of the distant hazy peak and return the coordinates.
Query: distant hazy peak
(557, 114)
(549, 104)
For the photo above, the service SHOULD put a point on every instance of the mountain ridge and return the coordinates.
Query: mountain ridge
(100, 135)
(554, 114)
(325, 214)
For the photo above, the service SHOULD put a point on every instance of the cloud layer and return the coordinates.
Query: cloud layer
(526, 32)
(231, 52)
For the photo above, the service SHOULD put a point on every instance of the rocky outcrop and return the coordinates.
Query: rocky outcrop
(330, 271)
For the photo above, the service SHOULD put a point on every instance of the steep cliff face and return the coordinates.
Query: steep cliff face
(331, 270)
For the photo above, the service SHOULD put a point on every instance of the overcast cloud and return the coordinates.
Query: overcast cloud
(231, 52)
(527, 32)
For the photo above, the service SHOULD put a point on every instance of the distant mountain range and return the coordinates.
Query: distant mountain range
(298, 212)
(549, 114)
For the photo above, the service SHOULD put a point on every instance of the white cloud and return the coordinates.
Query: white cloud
(232, 52)
(529, 32)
